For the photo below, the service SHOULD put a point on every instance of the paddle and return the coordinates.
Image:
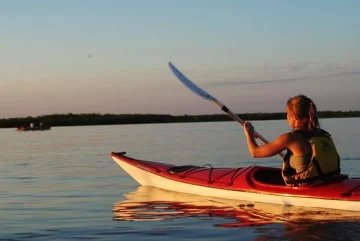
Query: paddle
(197, 90)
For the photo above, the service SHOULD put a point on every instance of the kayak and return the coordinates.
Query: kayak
(253, 183)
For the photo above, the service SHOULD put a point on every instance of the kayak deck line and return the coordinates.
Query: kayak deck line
(177, 169)
(235, 174)
(351, 191)
(189, 169)
(252, 183)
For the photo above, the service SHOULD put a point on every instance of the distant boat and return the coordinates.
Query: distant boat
(28, 128)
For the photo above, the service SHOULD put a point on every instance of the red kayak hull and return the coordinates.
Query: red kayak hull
(252, 179)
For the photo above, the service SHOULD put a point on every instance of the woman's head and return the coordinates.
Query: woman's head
(303, 110)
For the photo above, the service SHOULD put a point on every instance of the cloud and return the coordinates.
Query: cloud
(297, 67)
(302, 78)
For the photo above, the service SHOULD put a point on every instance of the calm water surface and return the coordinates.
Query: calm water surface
(63, 185)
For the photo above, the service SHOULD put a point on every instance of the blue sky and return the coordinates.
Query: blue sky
(111, 56)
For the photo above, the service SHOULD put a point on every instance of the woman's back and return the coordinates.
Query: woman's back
(300, 149)
(299, 144)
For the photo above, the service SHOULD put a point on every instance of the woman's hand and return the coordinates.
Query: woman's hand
(248, 129)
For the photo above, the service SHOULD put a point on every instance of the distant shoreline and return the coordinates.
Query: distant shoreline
(123, 119)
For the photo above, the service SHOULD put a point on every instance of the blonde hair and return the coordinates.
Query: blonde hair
(303, 108)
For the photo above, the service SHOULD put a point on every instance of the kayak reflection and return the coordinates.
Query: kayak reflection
(151, 204)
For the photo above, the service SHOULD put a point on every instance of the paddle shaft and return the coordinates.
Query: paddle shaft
(238, 119)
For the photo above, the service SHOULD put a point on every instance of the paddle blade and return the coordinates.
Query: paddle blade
(193, 87)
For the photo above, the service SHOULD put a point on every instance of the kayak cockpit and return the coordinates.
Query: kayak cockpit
(268, 176)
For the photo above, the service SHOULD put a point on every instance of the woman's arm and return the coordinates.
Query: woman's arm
(272, 148)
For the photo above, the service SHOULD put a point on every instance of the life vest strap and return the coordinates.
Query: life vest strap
(317, 166)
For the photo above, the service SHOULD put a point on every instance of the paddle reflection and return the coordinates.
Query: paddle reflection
(152, 204)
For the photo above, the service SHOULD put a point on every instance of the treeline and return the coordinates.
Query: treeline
(122, 119)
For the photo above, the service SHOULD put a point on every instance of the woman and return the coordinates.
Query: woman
(311, 154)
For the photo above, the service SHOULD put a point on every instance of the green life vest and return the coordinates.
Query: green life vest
(325, 160)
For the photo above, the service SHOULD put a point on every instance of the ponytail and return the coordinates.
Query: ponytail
(313, 118)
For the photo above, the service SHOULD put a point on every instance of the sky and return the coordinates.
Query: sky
(111, 56)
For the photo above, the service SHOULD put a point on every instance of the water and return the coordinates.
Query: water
(63, 185)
